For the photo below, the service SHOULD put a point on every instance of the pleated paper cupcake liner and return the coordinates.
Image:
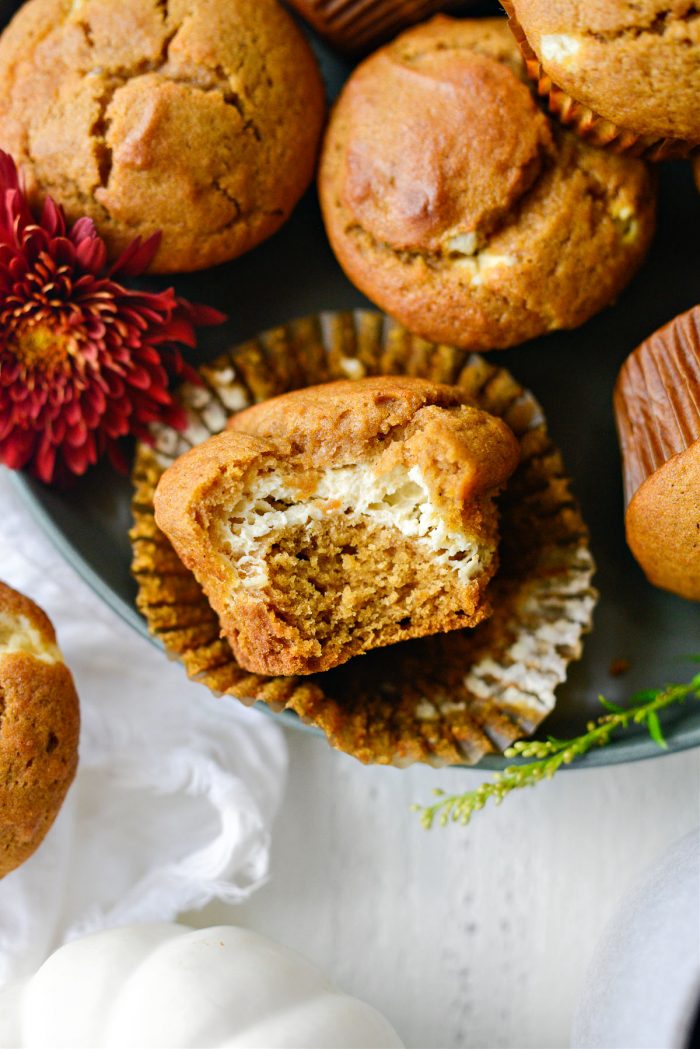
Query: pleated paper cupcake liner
(589, 125)
(447, 699)
(657, 399)
(356, 26)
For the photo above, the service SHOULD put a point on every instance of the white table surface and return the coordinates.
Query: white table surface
(476, 936)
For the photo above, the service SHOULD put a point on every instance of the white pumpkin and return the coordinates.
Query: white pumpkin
(170, 986)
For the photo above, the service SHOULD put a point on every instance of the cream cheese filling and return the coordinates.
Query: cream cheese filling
(472, 255)
(398, 499)
(17, 634)
(561, 48)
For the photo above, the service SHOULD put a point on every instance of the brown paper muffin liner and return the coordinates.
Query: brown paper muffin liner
(657, 399)
(359, 25)
(589, 125)
(447, 699)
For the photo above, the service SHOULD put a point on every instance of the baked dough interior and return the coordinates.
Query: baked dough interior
(362, 551)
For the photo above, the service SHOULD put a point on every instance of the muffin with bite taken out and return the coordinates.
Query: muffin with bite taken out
(341, 518)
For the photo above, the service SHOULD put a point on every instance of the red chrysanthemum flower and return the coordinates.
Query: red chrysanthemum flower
(84, 361)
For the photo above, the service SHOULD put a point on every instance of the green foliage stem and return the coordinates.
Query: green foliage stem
(549, 755)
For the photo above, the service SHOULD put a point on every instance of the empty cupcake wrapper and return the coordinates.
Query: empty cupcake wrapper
(447, 699)
(589, 125)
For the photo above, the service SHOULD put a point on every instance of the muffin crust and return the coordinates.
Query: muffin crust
(201, 120)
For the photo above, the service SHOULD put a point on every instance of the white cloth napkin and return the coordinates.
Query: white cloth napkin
(175, 791)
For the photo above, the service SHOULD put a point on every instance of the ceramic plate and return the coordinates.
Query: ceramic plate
(572, 375)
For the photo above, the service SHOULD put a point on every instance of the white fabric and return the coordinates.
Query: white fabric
(175, 791)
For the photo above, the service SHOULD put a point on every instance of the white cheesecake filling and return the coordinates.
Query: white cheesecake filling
(398, 499)
(474, 257)
(17, 634)
(560, 48)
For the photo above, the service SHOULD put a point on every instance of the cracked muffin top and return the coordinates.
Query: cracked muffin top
(200, 119)
(455, 204)
(634, 62)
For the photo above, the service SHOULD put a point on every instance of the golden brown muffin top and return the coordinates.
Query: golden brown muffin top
(487, 239)
(635, 62)
(198, 118)
(392, 416)
(461, 450)
(465, 140)
(618, 17)
(662, 525)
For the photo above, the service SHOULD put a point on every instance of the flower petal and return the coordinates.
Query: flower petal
(137, 257)
(84, 360)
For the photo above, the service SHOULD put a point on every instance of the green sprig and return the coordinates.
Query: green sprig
(549, 755)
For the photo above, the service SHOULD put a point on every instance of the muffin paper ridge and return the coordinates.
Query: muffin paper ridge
(657, 399)
(358, 25)
(446, 699)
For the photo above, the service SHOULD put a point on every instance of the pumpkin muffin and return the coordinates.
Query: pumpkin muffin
(446, 698)
(200, 119)
(39, 728)
(622, 74)
(657, 406)
(341, 518)
(455, 204)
